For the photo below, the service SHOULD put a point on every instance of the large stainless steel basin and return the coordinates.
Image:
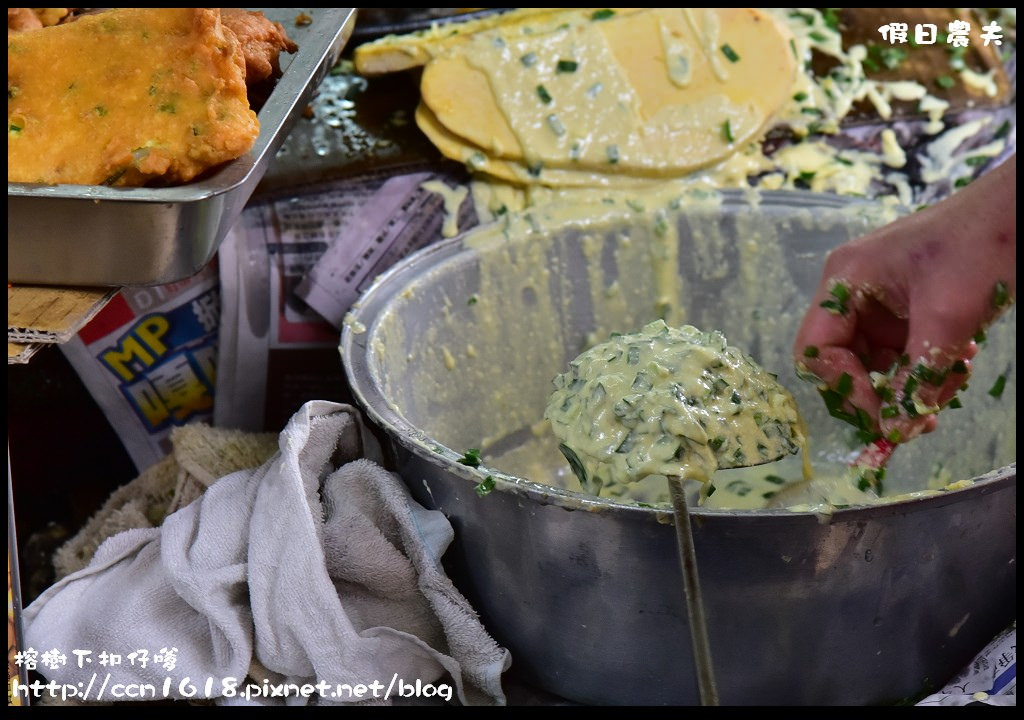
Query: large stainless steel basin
(455, 348)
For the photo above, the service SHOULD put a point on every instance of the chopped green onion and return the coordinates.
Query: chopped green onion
(816, 36)
(543, 94)
(603, 14)
(529, 59)
(890, 411)
(976, 160)
(484, 488)
(1001, 295)
(800, 96)
(845, 385)
(566, 66)
(945, 82)
(980, 336)
(959, 367)
(727, 132)
(893, 56)
(996, 390)
(811, 351)
(556, 125)
(471, 458)
(962, 182)
(840, 292)
(831, 18)
(472, 300)
(817, 112)
(729, 53)
(833, 307)
(1003, 130)
(954, 403)
(613, 153)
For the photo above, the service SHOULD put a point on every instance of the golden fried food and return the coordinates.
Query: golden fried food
(127, 97)
(22, 19)
(262, 40)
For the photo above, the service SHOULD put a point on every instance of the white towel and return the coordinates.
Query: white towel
(259, 573)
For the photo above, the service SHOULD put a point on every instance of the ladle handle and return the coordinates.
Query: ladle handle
(694, 602)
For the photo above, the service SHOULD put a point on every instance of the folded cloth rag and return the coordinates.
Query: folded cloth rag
(317, 567)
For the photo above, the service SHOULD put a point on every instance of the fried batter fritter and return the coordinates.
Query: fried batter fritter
(262, 42)
(127, 97)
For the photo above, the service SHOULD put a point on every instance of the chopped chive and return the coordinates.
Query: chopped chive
(996, 390)
(817, 112)
(833, 307)
(556, 125)
(893, 436)
(566, 66)
(1003, 130)
(840, 292)
(729, 53)
(962, 182)
(893, 56)
(800, 96)
(14, 128)
(716, 443)
(471, 458)
(602, 14)
(711, 490)
(543, 94)
(484, 488)
(535, 169)
(889, 411)
(843, 161)
(806, 176)
(529, 59)
(959, 367)
(613, 153)
(816, 36)
(980, 336)
(775, 479)
(945, 82)
(954, 403)
(472, 300)
(727, 132)
(811, 351)
(831, 18)
(1001, 295)
(976, 160)
(845, 385)
(792, 47)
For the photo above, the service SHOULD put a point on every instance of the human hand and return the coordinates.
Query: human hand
(890, 333)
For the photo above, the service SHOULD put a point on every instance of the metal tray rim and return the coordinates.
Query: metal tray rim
(311, 56)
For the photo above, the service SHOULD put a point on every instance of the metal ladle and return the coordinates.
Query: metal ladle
(691, 583)
(636, 377)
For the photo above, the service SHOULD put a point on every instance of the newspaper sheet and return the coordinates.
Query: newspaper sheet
(291, 268)
(149, 360)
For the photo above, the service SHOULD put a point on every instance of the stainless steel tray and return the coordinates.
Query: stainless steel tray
(103, 236)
